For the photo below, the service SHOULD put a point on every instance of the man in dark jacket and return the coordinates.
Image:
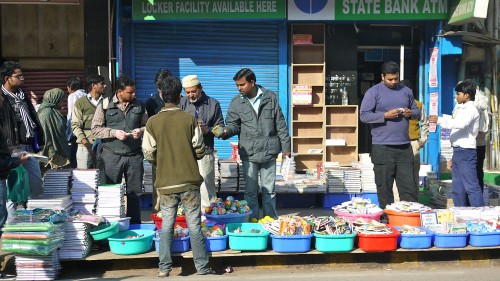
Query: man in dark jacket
(256, 117)
(119, 121)
(208, 113)
(19, 124)
(6, 164)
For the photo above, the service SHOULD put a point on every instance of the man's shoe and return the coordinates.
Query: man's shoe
(210, 272)
(163, 274)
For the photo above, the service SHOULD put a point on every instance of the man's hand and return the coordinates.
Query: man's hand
(121, 135)
(449, 165)
(391, 114)
(421, 144)
(203, 127)
(407, 113)
(23, 158)
(136, 133)
(433, 118)
(286, 154)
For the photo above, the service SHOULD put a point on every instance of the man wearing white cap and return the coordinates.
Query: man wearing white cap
(208, 112)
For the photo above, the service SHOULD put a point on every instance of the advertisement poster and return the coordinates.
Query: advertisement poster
(433, 110)
(433, 79)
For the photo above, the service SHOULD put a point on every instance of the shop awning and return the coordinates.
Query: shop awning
(473, 38)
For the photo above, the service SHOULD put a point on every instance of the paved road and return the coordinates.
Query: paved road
(458, 273)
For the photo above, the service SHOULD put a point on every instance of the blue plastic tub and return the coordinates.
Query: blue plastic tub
(216, 244)
(120, 244)
(144, 226)
(229, 218)
(247, 241)
(415, 241)
(291, 244)
(450, 240)
(490, 239)
(334, 242)
(179, 245)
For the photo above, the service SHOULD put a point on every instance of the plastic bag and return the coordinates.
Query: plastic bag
(19, 185)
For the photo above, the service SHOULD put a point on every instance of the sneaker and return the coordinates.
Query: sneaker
(209, 272)
(162, 274)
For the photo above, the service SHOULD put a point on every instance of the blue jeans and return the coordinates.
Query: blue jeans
(465, 183)
(168, 205)
(268, 177)
(3, 203)
(35, 178)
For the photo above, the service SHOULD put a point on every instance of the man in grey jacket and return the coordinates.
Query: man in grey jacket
(256, 117)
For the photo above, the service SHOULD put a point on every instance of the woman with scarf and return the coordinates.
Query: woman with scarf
(54, 127)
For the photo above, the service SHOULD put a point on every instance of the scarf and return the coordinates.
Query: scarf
(23, 111)
(54, 127)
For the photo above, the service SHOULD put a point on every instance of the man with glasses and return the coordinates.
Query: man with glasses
(119, 121)
(388, 107)
(20, 125)
(208, 113)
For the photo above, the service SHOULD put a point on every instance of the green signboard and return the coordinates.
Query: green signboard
(208, 9)
(468, 11)
(359, 10)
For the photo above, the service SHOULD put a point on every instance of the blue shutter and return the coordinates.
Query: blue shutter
(214, 51)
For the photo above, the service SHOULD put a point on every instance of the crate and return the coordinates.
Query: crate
(247, 241)
(489, 239)
(334, 242)
(450, 240)
(146, 201)
(291, 244)
(415, 241)
(378, 242)
(369, 195)
(333, 199)
(353, 217)
(179, 220)
(216, 244)
(403, 218)
(295, 200)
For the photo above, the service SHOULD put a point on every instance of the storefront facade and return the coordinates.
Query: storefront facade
(214, 39)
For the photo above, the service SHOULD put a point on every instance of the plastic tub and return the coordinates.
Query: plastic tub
(415, 241)
(484, 239)
(334, 242)
(450, 240)
(402, 218)
(180, 220)
(216, 243)
(179, 244)
(121, 245)
(291, 244)
(247, 241)
(229, 218)
(104, 231)
(123, 223)
(145, 226)
(378, 242)
(352, 217)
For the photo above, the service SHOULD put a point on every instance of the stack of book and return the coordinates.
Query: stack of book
(84, 190)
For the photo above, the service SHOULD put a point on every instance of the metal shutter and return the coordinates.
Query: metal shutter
(214, 51)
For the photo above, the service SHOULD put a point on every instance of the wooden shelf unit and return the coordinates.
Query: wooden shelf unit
(313, 124)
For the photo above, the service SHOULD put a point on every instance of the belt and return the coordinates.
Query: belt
(458, 148)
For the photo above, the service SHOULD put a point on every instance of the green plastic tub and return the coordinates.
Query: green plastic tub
(104, 231)
(247, 241)
(334, 242)
(121, 245)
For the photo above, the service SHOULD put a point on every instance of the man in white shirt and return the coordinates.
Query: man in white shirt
(75, 90)
(464, 125)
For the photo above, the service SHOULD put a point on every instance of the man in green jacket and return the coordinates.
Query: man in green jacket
(256, 117)
(175, 153)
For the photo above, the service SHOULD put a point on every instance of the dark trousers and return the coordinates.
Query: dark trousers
(481, 155)
(465, 183)
(393, 162)
(131, 166)
(73, 147)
